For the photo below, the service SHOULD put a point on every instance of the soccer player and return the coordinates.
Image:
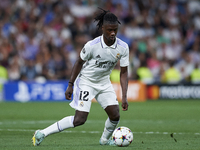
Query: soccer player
(90, 78)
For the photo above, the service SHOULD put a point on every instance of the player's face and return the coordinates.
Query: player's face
(109, 33)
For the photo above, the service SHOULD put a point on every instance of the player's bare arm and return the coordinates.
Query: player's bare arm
(124, 86)
(75, 71)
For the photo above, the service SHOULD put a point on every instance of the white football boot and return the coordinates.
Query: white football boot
(38, 137)
(106, 142)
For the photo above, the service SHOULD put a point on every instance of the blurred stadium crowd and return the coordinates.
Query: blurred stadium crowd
(41, 39)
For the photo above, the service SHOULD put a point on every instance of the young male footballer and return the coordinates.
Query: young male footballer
(90, 78)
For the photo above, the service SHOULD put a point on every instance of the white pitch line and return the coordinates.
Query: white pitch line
(95, 121)
(28, 122)
(97, 132)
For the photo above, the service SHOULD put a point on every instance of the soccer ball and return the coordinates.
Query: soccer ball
(122, 136)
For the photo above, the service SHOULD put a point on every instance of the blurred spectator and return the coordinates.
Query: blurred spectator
(134, 61)
(154, 65)
(195, 75)
(171, 75)
(29, 71)
(121, 34)
(144, 74)
(165, 52)
(195, 53)
(3, 78)
(14, 73)
(185, 66)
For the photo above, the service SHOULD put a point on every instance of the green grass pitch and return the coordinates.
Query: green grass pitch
(156, 125)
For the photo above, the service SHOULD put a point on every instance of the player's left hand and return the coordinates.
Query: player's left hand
(124, 104)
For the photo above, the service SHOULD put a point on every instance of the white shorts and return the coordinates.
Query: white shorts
(85, 91)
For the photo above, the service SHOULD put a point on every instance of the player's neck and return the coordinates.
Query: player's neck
(107, 42)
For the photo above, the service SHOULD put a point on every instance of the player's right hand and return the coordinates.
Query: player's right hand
(68, 92)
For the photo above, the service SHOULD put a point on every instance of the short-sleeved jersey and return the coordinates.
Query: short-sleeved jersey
(101, 59)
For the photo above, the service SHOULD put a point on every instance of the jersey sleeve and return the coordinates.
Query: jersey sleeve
(85, 53)
(124, 61)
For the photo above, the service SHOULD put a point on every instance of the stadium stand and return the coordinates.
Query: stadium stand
(42, 38)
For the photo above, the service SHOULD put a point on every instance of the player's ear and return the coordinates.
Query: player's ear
(102, 27)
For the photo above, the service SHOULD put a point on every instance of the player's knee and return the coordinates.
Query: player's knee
(80, 118)
(79, 121)
(115, 117)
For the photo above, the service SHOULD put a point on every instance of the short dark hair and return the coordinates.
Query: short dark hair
(105, 16)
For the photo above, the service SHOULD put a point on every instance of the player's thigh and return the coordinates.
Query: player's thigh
(82, 96)
(107, 97)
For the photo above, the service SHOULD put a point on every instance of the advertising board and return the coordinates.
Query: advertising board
(27, 91)
(136, 91)
(55, 91)
(184, 91)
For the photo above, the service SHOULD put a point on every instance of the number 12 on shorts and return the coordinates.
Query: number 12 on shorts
(83, 95)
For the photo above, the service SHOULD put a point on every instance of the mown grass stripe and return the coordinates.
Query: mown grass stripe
(94, 132)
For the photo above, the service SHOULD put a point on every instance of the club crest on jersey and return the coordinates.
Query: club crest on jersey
(118, 56)
(83, 50)
(81, 104)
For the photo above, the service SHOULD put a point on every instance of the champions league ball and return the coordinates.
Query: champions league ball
(122, 136)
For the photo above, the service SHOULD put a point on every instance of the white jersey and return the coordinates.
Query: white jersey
(101, 59)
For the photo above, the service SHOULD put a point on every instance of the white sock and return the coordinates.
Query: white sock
(59, 126)
(108, 129)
